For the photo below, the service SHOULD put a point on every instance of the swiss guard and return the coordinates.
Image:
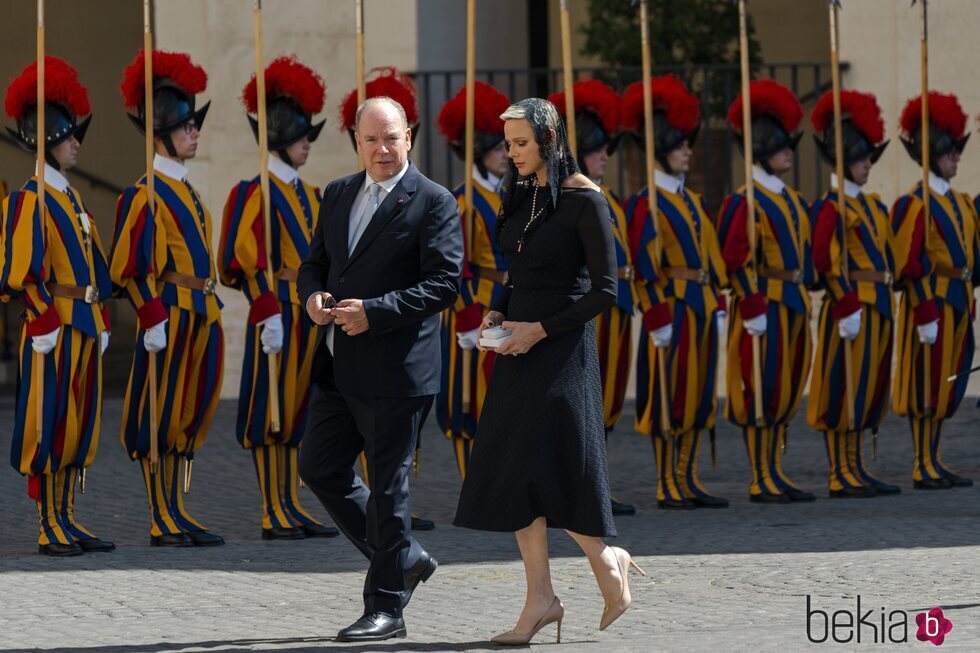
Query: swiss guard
(465, 370)
(162, 261)
(597, 135)
(936, 264)
(386, 81)
(277, 324)
(54, 265)
(678, 295)
(857, 306)
(772, 300)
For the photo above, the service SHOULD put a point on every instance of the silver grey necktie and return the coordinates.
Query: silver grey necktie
(365, 217)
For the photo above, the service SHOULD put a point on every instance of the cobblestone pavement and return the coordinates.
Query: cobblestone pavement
(735, 579)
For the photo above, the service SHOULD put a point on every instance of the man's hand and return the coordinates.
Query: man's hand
(318, 307)
(524, 336)
(350, 317)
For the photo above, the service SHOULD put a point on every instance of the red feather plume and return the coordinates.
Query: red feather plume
(488, 104)
(862, 108)
(287, 76)
(175, 66)
(772, 98)
(595, 96)
(388, 82)
(669, 93)
(944, 112)
(61, 86)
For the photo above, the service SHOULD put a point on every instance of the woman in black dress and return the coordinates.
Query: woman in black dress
(540, 457)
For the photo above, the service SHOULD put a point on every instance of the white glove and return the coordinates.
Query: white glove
(662, 336)
(271, 337)
(155, 338)
(103, 342)
(848, 327)
(721, 316)
(45, 343)
(468, 339)
(928, 333)
(757, 325)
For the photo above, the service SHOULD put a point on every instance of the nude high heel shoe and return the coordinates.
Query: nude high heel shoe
(555, 614)
(614, 611)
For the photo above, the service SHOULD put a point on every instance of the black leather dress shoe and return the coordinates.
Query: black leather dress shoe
(709, 502)
(885, 489)
(675, 504)
(766, 497)
(283, 534)
(958, 481)
(933, 484)
(319, 530)
(620, 509)
(171, 539)
(419, 524)
(799, 496)
(96, 546)
(420, 572)
(372, 628)
(60, 550)
(204, 538)
(860, 492)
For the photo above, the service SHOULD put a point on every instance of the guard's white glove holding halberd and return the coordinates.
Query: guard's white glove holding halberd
(661, 337)
(272, 334)
(721, 317)
(468, 339)
(928, 333)
(103, 342)
(757, 325)
(849, 327)
(155, 338)
(43, 344)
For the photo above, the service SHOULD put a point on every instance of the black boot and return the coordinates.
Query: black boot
(60, 550)
(860, 492)
(619, 509)
(419, 524)
(171, 540)
(96, 546)
(319, 530)
(283, 534)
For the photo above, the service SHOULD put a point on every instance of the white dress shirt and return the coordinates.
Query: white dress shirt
(670, 183)
(851, 189)
(170, 168)
(772, 183)
(360, 202)
(938, 185)
(286, 173)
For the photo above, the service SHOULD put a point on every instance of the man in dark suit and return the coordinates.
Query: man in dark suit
(388, 250)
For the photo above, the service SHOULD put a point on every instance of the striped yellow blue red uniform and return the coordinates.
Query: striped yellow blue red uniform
(782, 246)
(869, 250)
(932, 291)
(243, 262)
(614, 335)
(686, 238)
(173, 237)
(477, 293)
(36, 253)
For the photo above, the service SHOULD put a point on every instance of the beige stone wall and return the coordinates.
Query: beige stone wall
(880, 39)
(218, 35)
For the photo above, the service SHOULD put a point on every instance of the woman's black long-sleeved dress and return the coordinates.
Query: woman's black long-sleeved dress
(540, 448)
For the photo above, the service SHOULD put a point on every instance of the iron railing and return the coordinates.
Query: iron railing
(717, 161)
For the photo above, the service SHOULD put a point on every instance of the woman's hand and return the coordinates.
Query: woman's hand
(490, 320)
(524, 335)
